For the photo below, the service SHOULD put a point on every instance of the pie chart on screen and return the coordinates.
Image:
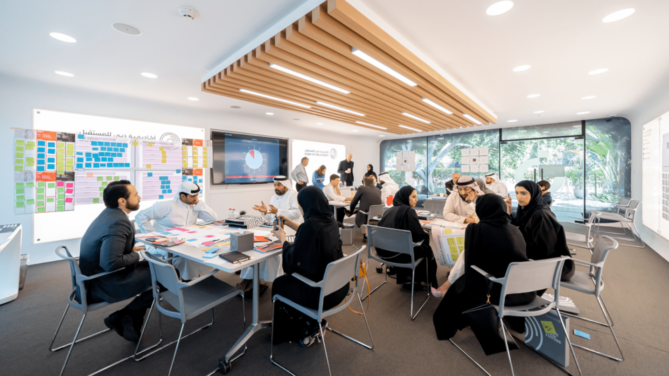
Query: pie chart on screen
(254, 159)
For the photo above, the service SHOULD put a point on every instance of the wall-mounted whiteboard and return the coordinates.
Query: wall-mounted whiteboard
(51, 227)
(319, 153)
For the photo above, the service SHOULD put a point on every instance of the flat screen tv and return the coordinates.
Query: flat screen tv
(241, 158)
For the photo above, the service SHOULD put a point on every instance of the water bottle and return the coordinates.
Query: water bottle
(234, 213)
(229, 213)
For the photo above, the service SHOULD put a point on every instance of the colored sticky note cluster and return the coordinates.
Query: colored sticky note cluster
(95, 152)
(158, 185)
(89, 186)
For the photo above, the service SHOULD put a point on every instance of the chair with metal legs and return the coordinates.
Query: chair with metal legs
(337, 274)
(79, 285)
(523, 277)
(185, 301)
(628, 220)
(581, 235)
(592, 283)
(398, 241)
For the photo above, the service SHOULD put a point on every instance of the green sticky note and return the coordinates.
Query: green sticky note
(60, 208)
(18, 161)
(40, 210)
(30, 185)
(40, 197)
(30, 161)
(100, 178)
(50, 199)
(18, 155)
(104, 183)
(30, 202)
(30, 145)
(20, 205)
(18, 168)
(117, 178)
(60, 190)
(20, 198)
(51, 185)
(60, 145)
(102, 189)
(41, 184)
(40, 190)
(101, 195)
(20, 142)
(19, 148)
(19, 185)
(61, 196)
(60, 202)
(20, 191)
(40, 203)
(60, 170)
(109, 178)
(96, 200)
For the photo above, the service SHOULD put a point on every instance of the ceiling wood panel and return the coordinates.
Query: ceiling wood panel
(319, 45)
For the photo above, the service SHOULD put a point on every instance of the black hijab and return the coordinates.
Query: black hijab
(523, 214)
(371, 172)
(317, 241)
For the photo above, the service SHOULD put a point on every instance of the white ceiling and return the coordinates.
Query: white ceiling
(562, 40)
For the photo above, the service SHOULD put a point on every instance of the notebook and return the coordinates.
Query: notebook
(234, 257)
(269, 247)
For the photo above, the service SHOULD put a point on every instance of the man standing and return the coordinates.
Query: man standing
(333, 193)
(283, 203)
(108, 245)
(545, 186)
(496, 185)
(450, 185)
(183, 210)
(345, 170)
(299, 174)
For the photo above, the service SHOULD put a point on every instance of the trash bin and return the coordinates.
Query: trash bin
(23, 270)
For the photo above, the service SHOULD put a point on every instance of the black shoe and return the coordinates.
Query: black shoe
(364, 238)
(263, 288)
(115, 323)
(245, 285)
(130, 329)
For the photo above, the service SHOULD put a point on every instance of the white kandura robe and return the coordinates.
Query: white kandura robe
(456, 209)
(171, 214)
(499, 188)
(389, 188)
(288, 207)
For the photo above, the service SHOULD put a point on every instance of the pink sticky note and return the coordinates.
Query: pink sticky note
(69, 185)
(192, 232)
(60, 184)
(171, 229)
(69, 191)
(68, 200)
(209, 236)
(208, 243)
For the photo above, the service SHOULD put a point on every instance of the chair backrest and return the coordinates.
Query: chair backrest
(375, 211)
(390, 239)
(624, 201)
(164, 273)
(528, 276)
(630, 213)
(75, 274)
(339, 272)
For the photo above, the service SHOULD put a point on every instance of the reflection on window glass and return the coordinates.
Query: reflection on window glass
(416, 178)
(572, 128)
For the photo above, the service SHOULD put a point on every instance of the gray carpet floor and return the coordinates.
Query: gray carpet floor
(636, 283)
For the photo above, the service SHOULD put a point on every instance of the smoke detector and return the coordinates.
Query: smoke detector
(188, 13)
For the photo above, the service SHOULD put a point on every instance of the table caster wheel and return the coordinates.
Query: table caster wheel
(223, 367)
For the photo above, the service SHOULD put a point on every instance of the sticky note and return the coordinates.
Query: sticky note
(51, 185)
(40, 210)
(20, 204)
(20, 191)
(212, 250)
(20, 142)
(209, 255)
(30, 161)
(40, 197)
(40, 190)
(60, 202)
(109, 178)
(19, 148)
(581, 334)
(19, 185)
(68, 200)
(117, 178)
(60, 184)
(61, 196)
(30, 185)
(96, 200)
(60, 208)
(18, 168)
(134, 143)
(40, 203)
(148, 166)
(30, 145)
(20, 198)
(50, 199)
(70, 185)
(41, 184)
(18, 155)
(69, 191)
(30, 202)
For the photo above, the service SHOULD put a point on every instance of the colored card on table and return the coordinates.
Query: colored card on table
(581, 334)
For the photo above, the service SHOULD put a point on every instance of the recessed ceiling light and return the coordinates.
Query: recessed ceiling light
(381, 66)
(63, 37)
(149, 75)
(274, 98)
(193, 99)
(310, 79)
(416, 117)
(64, 73)
(522, 68)
(499, 8)
(127, 29)
(269, 113)
(339, 108)
(413, 129)
(598, 71)
(533, 95)
(512, 121)
(582, 112)
(319, 123)
(539, 112)
(619, 15)
(355, 130)
(471, 118)
(438, 107)
(370, 125)
(589, 97)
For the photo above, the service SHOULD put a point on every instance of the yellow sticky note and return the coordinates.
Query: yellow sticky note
(30, 161)
(161, 148)
(60, 171)
(451, 241)
(461, 239)
(148, 166)
(60, 145)
(134, 143)
(448, 231)
(453, 248)
(163, 160)
(20, 142)
(30, 145)
(150, 143)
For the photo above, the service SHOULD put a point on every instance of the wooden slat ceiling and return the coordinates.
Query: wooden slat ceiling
(319, 45)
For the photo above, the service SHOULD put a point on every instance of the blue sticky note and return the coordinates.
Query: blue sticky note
(80, 153)
(51, 160)
(581, 334)
(40, 162)
(150, 174)
(41, 150)
(88, 165)
(41, 143)
(169, 191)
(107, 143)
(113, 144)
(95, 165)
(80, 165)
(191, 240)
(51, 166)
(96, 149)
(125, 145)
(209, 255)
(127, 165)
(80, 159)
(40, 156)
(164, 178)
(51, 144)
(94, 143)
(160, 197)
(51, 151)
(122, 150)
(80, 136)
(40, 168)
(178, 171)
(165, 232)
(212, 250)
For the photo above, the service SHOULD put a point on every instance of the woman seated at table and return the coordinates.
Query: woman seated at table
(317, 244)
(544, 235)
(402, 216)
(492, 244)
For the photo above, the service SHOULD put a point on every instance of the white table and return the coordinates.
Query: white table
(195, 254)
(10, 262)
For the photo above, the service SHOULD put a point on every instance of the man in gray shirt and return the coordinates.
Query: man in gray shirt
(299, 174)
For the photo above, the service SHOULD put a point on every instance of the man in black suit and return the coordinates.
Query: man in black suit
(108, 245)
(345, 170)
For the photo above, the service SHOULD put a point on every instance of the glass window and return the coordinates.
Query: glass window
(572, 128)
(417, 178)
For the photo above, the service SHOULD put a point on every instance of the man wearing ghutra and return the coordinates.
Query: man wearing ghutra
(495, 185)
(460, 207)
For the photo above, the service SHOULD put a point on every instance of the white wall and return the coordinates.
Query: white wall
(18, 97)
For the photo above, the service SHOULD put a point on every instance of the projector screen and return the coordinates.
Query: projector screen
(247, 159)
(655, 175)
(319, 154)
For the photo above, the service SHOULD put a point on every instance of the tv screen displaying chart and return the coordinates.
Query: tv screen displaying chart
(247, 159)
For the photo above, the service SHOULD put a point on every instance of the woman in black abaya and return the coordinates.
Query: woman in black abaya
(544, 235)
(402, 216)
(492, 244)
(317, 243)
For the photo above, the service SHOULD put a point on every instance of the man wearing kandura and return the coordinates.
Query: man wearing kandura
(345, 170)
(299, 174)
(496, 185)
(183, 210)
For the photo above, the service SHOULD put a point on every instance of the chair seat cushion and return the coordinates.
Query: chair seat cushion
(581, 281)
(535, 307)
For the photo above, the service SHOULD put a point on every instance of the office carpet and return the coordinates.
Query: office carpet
(636, 283)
